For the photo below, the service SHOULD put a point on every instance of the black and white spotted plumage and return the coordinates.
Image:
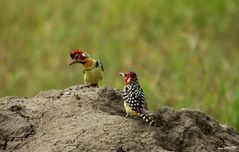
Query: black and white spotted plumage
(133, 95)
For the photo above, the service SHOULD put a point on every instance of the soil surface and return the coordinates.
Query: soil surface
(80, 119)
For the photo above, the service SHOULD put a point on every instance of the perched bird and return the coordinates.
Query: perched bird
(93, 69)
(133, 96)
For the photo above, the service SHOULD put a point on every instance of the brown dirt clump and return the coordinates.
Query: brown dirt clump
(92, 119)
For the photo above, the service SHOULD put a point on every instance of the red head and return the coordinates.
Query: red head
(78, 56)
(129, 77)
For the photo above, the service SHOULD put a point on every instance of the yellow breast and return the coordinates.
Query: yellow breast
(129, 111)
(93, 75)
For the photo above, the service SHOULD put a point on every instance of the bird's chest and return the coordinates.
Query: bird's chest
(93, 75)
(129, 109)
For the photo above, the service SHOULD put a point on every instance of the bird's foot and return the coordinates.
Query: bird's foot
(127, 115)
(94, 85)
(90, 85)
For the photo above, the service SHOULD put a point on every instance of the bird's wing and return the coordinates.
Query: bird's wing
(99, 63)
(134, 98)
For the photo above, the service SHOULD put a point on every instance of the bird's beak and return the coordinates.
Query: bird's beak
(73, 62)
(121, 74)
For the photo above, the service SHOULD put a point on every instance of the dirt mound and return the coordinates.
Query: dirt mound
(92, 119)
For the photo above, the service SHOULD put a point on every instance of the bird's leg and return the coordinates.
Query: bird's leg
(90, 85)
(83, 86)
(127, 115)
(94, 85)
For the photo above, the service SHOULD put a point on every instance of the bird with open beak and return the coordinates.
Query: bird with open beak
(92, 68)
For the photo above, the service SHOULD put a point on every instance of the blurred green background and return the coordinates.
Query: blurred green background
(186, 53)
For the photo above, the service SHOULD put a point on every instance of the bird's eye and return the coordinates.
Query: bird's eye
(76, 56)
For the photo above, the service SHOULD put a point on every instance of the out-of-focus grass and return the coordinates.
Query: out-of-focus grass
(185, 52)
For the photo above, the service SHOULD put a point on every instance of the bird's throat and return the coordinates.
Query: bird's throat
(82, 62)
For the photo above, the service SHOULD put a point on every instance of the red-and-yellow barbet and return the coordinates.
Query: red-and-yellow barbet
(133, 96)
(93, 68)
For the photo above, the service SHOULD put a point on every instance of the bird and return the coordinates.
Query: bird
(93, 69)
(133, 97)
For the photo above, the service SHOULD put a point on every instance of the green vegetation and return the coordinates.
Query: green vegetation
(185, 52)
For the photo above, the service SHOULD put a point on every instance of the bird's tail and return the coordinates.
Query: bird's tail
(147, 118)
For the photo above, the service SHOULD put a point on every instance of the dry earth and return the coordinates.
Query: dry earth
(92, 119)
